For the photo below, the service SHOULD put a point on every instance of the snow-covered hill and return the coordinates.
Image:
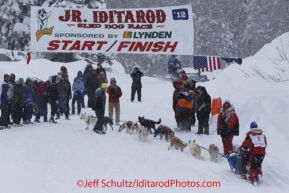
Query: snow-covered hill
(50, 158)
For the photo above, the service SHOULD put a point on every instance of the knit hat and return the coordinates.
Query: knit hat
(6, 75)
(253, 125)
(104, 85)
(227, 101)
(60, 73)
(20, 80)
(28, 79)
(98, 64)
(102, 73)
(112, 80)
(63, 68)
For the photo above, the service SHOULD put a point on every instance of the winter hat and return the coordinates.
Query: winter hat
(6, 75)
(227, 102)
(28, 79)
(102, 73)
(104, 85)
(112, 80)
(60, 73)
(199, 87)
(63, 68)
(20, 80)
(98, 64)
(183, 71)
(253, 125)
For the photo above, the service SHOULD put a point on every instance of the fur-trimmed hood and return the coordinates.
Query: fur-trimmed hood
(231, 108)
(256, 131)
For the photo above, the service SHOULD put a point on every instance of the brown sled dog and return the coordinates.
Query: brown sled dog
(163, 130)
(129, 126)
(213, 151)
(175, 141)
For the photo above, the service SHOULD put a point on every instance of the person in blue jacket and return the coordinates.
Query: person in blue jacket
(77, 88)
(174, 64)
(30, 98)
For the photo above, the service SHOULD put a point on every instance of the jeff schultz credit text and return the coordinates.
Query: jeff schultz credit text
(102, 183)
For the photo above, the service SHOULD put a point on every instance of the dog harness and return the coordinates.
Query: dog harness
(89, 117)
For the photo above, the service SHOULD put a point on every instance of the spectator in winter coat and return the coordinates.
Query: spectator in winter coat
(91, 85)
(183, 76)
(136, 84)
(29, 101)
(192, 84)
(79, 75)
(53, 98)
(86, 73)
(12, 79)
(255, 141)
(174, 64)
(178, 89)
(62, 88)
(102, 79)
(69, 94)
(11, 109)
(5, 81)
(10, 96)
(227, 125)
(114, 93)
(77, 88)
(100, 69)
(99, 108)
(4, 106)
(64, 71)
(42, 95)
(203, 111)
(18, 102)
(184, 108)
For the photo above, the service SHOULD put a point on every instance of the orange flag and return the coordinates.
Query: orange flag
(216, 106)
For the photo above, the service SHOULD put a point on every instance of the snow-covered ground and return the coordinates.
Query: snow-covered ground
(51, 158)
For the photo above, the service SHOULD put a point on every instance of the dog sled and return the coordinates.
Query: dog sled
(239, 163)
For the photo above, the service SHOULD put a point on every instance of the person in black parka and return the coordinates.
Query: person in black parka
(99, 102)
(92, 83)
(136, 84)
(203, 111)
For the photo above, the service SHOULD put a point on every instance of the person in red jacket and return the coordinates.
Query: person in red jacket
(42, 100)
(114, 93)
(227, 126)
(256, 142)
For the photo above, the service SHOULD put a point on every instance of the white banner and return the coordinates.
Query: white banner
(167, 30)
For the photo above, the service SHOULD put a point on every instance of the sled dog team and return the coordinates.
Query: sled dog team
(143, 128)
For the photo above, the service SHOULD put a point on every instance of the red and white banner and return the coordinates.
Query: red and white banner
(166, 30)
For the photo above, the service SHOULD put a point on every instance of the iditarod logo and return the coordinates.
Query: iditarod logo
(42, 18)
